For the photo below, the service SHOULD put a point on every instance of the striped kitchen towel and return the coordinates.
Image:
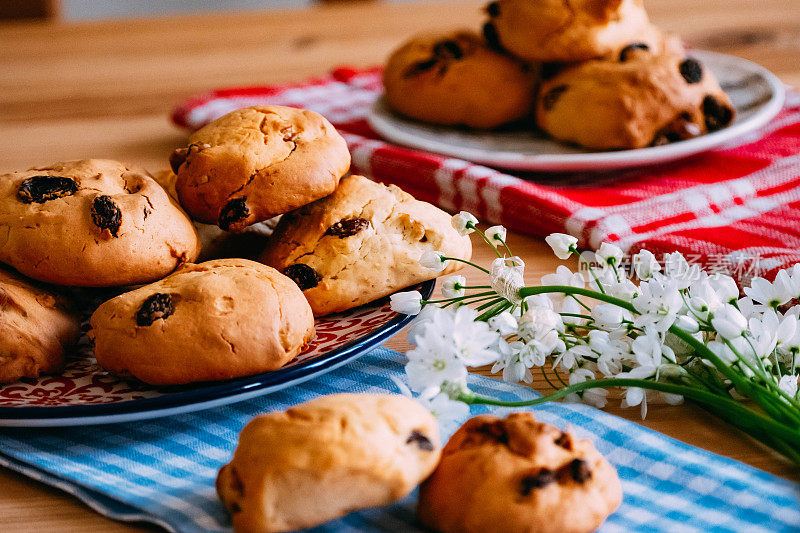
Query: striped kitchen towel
(736, 210)
(162, 471)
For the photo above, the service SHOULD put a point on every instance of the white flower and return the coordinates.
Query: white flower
(429, 313)
(645, 264)
(624, 289)
(539, 300)
(510, 362)
(676, 268)
(687, 324)
(573, 356)
(650, 349)
(609, 316)
(504, 323)
(448, 412)
(496, 234)
(407, 303)
(704, 299)
(453, 287)
(562, 244)
(433, 260)
(429, 367)
(541, 325)
(729, 322)
(563, 276)
(788, 384)
(635, 395)
(570, 306)
(507, 279)
(609, 254)
(595, 397)
(770, 294)
(464, 223)
(725, 287)
(474, 341)
(794, 280)
(659, 302)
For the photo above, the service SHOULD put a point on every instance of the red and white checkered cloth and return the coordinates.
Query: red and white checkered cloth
(735, 209)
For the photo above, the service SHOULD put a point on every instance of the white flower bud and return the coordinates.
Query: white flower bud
(729, 322)
(433, 260)
(609, 254)
(504, 323)
(453, 287)
(561, 244)
(407, 303)
(645, 264)
(464, 223)
(496, 234)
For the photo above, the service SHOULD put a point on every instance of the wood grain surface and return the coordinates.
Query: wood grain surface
(105, 89)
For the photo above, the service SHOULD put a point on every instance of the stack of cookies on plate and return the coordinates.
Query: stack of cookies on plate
(595, 73)
(342, 242)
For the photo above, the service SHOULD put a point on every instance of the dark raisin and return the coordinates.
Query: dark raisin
(493, 9)
(540, 479)
(305, 276)
(551, 97)
(40, 189)
(579, 471)
(681, 128)
(347, 227)
(626, 52)
(418, 68)
(495, 430)
(156, 306)
(492, 39)
(549, 70)
(718, 115)
(565, 441)
(106, 214)
(420, 440)
(691, 70)
(288, 133)
(448, 49)
(234, 211)
(177, 158)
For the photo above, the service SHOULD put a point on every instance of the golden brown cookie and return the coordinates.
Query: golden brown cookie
(92, 223)
(517, 475)
(210, 321)
(325, 458)
(456, 79)
(640, 100)
(559, 31)
(361, 243)
(258, 162)
(217, 243)
(36, 325)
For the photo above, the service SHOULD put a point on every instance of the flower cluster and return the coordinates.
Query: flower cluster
(679, 332)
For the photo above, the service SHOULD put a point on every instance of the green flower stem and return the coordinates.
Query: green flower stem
(470, 263)
(739, 413)
(588, 267)
(490, 243)
(496, 310)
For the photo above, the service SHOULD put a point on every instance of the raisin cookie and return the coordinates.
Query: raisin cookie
(217, 243)
(325, 458)
(456, 79)
(210, 321)
(559, 31)
(36, 325)
(517, 475)
(361, 243)
(93, 223)
(258, 162)
(640, 100)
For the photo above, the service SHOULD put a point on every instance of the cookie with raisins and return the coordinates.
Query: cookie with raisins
(92, 223)
(210, 321)
(642, 98)
(457, 79)
(361, 243)
(324, 458)
(258, 162)
(517, 474)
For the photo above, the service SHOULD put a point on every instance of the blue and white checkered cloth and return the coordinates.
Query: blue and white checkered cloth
(162, 471)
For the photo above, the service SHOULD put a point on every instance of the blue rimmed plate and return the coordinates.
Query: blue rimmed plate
(86, 394)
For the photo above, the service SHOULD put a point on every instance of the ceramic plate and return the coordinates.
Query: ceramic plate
(755, 92)
(86, 394)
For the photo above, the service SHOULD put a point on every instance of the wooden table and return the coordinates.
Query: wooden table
(105, 90)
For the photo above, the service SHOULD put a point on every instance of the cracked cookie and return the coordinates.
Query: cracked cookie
(209, 321)
(361, 243)
(325, 458)
(36, 325)
(518, 475)
(258, 162)
(566, 30)
(457, 79)
(217, 243)
(92, 223)
(640, 99)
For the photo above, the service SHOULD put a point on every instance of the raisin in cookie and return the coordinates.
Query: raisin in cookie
(325, 458)
(36, 325)
(217, 243)
(92, 223)
(517, 475)
(641, 99)
(456, 79)
(361, 243)
(559, 31)
(210, 321)
(258, 162)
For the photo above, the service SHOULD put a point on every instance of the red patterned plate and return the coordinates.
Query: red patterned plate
(87, 394)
